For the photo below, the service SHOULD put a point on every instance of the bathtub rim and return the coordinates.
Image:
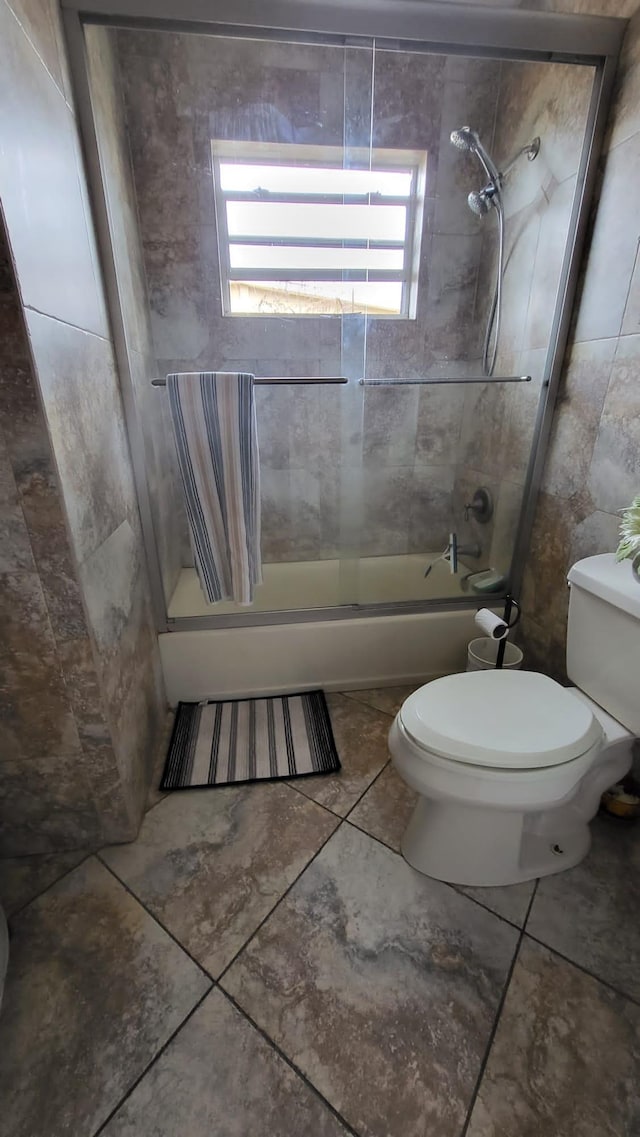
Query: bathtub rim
(336, 612)
(372, 651)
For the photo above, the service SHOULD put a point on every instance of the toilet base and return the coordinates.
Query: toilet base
(486, 847)
(473, 830)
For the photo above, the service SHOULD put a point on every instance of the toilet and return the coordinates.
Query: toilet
(510, 765)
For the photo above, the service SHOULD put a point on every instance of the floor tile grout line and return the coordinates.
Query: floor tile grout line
(344, 816)
(347, 817)
(496, 1023)
(492, 1035)
(289, 1061)
(307, 797)
(521, 929)
(364, 703)
(585, 970)
(165, 795)
(367, 788)
(156, 919)
(373, 837)
(459, 888)
(634, 999)
(153, 1060)
(530, 905)
(20, 910)
(279, 901)
(454, 887)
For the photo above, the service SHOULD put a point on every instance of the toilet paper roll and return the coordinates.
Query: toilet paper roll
(491, 625)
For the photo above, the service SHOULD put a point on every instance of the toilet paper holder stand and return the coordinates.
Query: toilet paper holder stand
(509, 604)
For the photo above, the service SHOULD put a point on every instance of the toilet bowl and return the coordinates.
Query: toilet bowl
(509, 766)
(508, 803)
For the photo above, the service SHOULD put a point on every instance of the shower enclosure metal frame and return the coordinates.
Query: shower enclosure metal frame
(438, 28)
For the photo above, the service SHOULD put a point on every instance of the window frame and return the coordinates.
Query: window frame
(362, 158)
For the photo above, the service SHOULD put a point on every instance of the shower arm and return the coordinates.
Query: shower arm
(495, 175)
(531, 150)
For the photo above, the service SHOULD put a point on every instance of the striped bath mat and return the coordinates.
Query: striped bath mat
(246, 740)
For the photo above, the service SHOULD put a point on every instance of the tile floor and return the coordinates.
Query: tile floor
(261, 961)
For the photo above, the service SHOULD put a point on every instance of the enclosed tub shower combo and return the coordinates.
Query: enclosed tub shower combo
(378, 212)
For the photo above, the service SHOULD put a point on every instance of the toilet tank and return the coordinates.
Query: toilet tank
(603, 636)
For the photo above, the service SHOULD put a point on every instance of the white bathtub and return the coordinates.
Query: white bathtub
(292, 585)
(335, 654)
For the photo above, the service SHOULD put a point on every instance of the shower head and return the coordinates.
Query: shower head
(464, 138)
(479, 202)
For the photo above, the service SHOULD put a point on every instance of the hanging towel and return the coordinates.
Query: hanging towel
(213, 416)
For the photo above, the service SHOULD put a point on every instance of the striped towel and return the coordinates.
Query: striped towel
(214, 424)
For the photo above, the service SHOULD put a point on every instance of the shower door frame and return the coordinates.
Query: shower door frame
(414, 25)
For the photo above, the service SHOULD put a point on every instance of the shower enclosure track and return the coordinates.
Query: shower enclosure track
(263, 380)
(434, 382)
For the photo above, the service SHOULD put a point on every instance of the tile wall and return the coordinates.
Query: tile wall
(182, 91)
(83, 696)
(593, 465)
(155, 441)
(550, 101)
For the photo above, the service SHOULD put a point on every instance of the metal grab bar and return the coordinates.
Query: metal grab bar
(435, 382)
(264, 380)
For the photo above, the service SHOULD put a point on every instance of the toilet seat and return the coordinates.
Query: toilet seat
(500, 720)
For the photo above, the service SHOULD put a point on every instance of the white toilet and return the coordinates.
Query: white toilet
(509, 765)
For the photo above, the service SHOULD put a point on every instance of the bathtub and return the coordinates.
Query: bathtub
(346, 653)
(295, 585)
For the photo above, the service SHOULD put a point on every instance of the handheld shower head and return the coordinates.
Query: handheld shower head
(463, 138)
(481, 201)
(478, 202)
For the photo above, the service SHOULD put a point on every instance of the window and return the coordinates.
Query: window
(300, 234)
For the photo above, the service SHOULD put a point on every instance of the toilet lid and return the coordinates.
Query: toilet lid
(509, 719)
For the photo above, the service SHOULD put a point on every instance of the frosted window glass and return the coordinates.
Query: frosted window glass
(247, 178)
(315, 297)
(322, 222)
(314, 257)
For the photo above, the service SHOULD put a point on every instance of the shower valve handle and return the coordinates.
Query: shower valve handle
(481, 506)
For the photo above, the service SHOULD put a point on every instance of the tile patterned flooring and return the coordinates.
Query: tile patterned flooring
(262, 961)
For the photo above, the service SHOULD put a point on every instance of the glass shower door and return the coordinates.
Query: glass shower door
(447, 437)
(259, 225)
(303, 214)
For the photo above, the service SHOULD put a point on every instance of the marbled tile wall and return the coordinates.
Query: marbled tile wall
(182, 91)
(169, 519)
(593, 465)
(52, 725)
(549, 101)
(79, 774)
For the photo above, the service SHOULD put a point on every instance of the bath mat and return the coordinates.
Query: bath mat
(248, 740)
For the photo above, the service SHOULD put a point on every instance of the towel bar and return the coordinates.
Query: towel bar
(310, 380)
(434, 382)
(264, 380)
